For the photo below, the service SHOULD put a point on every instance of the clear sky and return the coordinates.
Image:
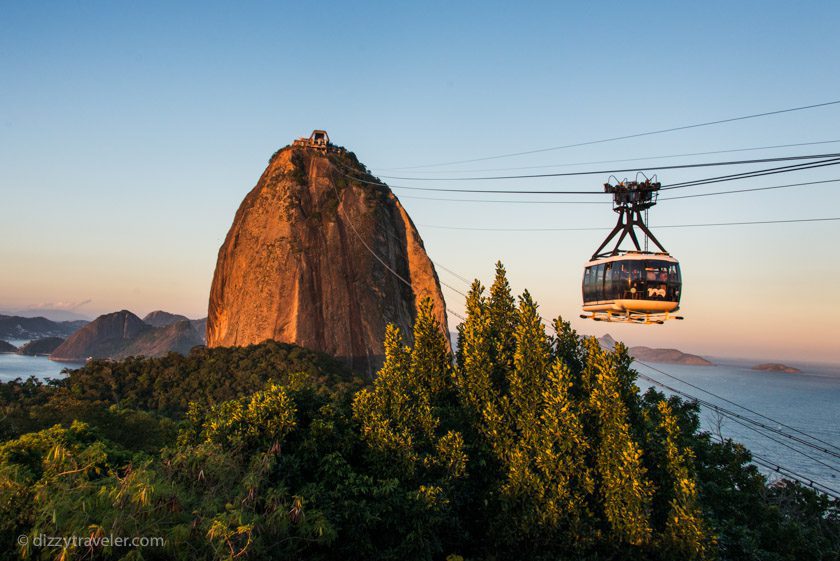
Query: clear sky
(130, 132)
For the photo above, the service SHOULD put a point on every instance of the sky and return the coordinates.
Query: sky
(130, 133)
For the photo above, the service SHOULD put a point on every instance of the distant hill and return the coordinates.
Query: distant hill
(123, 334)
(7, 347)
(178, 337)
(667, 356)
(49, 313)
(159, 318)
(41, 347)
(200, 326)
(776, 367)
(607, 342)
(19, 327)
(103, 337)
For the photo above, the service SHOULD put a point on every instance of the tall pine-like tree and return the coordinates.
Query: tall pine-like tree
(400, 414)
(624, 492)
(685, 534)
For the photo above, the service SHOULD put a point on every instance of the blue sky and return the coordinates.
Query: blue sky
(130, 132)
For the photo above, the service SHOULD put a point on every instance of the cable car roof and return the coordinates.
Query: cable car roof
(633, 256)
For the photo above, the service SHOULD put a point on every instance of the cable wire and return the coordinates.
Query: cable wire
(374, 254)
(752, 411)
(823, 446)
(789, 473)
(381, 184)
(754, 173)
(444, 199)
(692, 183)
(627, 136)
(585, 229)
(781, 443)
(639, 159)
(749, 190)
(625, 170)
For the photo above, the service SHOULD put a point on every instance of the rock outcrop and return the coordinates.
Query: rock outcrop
(320, 255)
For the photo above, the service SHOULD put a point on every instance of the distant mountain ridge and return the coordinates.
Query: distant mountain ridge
(52, 314)
(122, 334)
(19, 327)
(159, 318)
(666, 356)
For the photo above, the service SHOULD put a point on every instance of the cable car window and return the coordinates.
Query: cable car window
(608, 282)
(598, 292)
(656, 280)
(588, 275)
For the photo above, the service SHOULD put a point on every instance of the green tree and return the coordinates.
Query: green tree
(624, 492)
(685, 534)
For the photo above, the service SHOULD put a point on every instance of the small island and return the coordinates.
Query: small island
(776, 367)
(666, 356)
(6, 347)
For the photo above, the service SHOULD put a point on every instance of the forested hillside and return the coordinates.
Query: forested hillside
(525, 445)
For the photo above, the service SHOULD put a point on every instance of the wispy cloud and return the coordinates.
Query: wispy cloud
(67, 306)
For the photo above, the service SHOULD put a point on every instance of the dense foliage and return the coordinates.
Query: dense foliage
(526, 445)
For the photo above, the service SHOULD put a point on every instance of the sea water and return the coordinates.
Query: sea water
(20, 366)
(808, 401)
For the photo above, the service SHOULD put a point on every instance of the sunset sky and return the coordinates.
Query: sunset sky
(130, 132)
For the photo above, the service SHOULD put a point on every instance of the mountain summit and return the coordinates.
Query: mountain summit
(320, 254)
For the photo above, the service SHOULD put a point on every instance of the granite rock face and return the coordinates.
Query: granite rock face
(320, 258)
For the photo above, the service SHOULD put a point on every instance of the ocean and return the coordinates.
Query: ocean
(808, 401)
(19, 366)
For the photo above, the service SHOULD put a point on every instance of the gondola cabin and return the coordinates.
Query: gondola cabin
(634, 286)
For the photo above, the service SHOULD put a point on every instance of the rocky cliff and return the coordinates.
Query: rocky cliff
(319, 257)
